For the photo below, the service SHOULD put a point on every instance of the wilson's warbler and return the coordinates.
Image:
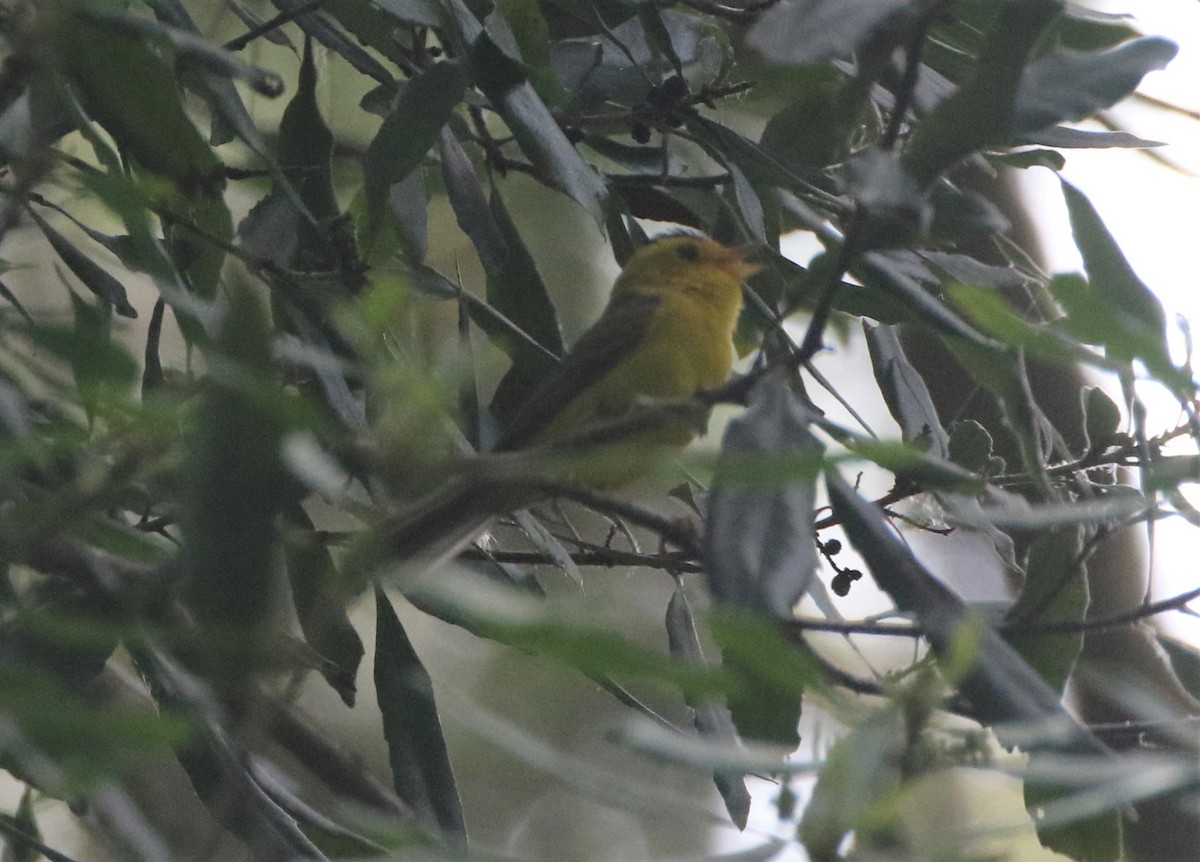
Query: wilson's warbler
(666, 333)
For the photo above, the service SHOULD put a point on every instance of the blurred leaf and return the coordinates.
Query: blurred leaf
(811, 132)
(511, 617)
(711, 717)
(760, 550)
(769, 676)
(89, 743)
(812, 31)
(409, 132)
(861, 772)
(421, 771)
(1069, 85)
(130, 91)
(102, 368)
(237, 488)
(1055, 590)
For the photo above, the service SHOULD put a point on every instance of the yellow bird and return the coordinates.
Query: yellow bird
(666, 333)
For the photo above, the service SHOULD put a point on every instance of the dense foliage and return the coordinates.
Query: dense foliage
(192, 528)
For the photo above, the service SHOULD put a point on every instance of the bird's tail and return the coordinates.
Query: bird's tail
(444, 522)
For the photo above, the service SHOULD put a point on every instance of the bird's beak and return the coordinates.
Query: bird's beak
(733, 261)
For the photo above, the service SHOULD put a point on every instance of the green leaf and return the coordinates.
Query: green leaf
(409, 132)
(1055, 590)
(421, 771)
(1091, 839)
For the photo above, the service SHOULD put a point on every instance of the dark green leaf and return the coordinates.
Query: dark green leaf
(905, 392)
(305, 150)
(760, 549)
(1101, 417)
(880, 270)
(410, 205)
(470, 204)
(517, 292)
(409, 132)
(1034, 158)
(94, 277)
(319, 595)
(421, 771)
(1093, 839)
(970, 445)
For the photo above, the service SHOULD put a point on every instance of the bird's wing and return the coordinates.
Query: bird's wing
(613, 338)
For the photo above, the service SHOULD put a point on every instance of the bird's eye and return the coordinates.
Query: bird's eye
(689, 252)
